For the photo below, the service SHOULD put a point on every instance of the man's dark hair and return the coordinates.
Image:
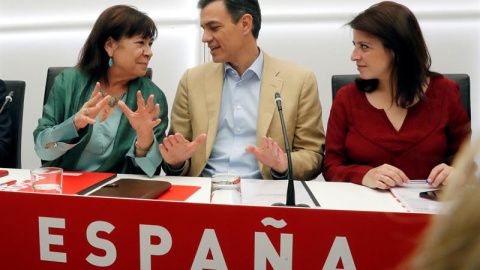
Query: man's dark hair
(238, 8)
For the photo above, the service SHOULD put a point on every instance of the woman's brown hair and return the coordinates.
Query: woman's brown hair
(399, 31)
(116, 22)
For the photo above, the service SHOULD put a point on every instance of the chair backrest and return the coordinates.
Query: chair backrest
(463, 80)
(54, 71)
(16, 115)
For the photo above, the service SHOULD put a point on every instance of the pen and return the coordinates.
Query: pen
(9, 183)
(418, 181)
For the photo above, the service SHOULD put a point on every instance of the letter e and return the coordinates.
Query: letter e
(46, 239)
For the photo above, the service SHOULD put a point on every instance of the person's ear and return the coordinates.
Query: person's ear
(110, 46)
(247, 23)
(394, 56)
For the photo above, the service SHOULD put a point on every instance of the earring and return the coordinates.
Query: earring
(110, 62)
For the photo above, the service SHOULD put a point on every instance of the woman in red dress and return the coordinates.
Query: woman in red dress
(399, 120)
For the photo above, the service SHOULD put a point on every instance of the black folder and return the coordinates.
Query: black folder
(133, 188)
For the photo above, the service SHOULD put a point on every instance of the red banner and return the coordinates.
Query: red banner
(43, 231)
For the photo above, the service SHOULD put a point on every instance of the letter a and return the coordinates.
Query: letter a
(339, 250)
(209, 242)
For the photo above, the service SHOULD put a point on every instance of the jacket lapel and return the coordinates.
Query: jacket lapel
(269, 86)
(213, 93)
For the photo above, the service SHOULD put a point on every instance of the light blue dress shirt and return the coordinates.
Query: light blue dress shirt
(237, 124)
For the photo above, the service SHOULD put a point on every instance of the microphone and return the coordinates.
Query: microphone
(278, 100)
(290, 187)
(8, 98)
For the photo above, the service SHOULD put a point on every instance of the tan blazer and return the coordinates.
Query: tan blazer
(197, 105)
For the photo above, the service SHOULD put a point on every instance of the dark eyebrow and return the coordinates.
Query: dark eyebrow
(210, 23)
(362, 42)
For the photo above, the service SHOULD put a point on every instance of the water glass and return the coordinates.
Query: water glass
(47, 180)
(226, 189)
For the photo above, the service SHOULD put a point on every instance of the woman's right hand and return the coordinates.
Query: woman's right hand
(89, 111)
(384, 177)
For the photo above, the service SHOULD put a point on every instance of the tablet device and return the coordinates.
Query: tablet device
(133, 188)
(432, 194)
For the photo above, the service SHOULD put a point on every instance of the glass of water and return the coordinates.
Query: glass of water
(226, 189)
(47, 180)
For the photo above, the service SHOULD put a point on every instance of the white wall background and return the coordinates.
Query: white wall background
(35, 35)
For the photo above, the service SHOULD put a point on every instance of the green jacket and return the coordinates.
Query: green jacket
(70, 91)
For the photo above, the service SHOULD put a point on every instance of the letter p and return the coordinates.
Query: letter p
(146, 247)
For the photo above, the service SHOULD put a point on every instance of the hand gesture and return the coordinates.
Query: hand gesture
(176, 149)
(270, 155)
(145, 118)
(439, 174)
(384, 177)
(89, 111)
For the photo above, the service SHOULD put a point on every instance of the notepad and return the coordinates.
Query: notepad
(133, 188)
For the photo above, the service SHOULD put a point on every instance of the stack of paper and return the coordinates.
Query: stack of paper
(409, 196)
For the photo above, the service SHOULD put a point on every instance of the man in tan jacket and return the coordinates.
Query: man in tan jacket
(224, 108)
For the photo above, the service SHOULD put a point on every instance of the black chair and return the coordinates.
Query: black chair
(15, 108)
(463, 80)
(54, 71)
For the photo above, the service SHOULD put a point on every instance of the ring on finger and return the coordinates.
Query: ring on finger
(382, 177)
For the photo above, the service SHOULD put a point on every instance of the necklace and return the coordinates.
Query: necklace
(113, 99)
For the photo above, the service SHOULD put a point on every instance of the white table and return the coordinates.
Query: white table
(348, 196)
(330, 195)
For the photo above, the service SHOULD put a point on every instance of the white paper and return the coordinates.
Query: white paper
(353, 197)
(71, 174)
(268, 192)
(409, 197)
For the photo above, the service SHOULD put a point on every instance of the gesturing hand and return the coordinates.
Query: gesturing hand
(384, 177)
(270, 155)
(89, 111)
(176, 149)
(145, 118)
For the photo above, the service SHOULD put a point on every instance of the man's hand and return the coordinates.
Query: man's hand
(176, 149)
(270, 155)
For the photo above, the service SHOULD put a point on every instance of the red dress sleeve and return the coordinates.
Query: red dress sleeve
(337, 167)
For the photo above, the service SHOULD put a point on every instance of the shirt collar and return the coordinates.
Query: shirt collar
(256, 67)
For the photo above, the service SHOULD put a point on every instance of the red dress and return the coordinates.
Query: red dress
(361, 137)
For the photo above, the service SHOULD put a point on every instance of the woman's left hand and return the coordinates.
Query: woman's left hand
(143, 120)
(439, 174)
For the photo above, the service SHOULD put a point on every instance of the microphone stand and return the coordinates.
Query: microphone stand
(290, 187)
